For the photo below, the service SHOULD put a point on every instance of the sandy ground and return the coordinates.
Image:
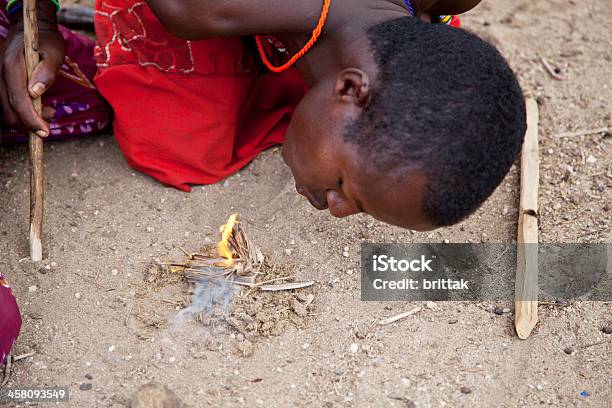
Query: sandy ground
(95, 320)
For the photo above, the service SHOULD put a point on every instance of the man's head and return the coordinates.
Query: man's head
(420, 146)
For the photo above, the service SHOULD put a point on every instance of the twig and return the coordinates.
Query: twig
(584, 132)
(551, 70)
(286, 286)
(190, 256)
(260, 284)
(23, 356)
(399, 316)
(254, 286)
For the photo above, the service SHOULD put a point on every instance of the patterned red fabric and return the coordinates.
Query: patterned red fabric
(187, 112)
(10, 319)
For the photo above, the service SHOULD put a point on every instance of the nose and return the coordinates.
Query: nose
(339, 206)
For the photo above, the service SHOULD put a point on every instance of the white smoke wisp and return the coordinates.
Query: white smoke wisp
(209, 294)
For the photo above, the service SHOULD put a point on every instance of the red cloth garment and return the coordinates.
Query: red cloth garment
(187, 112)
(10, 319)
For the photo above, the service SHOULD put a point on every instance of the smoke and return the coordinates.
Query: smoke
(210, 295)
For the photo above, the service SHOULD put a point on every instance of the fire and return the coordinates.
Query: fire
(223, 247)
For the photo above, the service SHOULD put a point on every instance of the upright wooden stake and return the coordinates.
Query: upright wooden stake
(37, 176)
(526, 289)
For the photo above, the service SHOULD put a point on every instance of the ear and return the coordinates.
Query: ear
(353, 86)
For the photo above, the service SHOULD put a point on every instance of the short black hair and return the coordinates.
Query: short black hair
(447, 103)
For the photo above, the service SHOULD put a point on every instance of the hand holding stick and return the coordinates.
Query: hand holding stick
(37, 177)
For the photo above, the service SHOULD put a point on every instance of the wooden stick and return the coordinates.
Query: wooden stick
(37, 177)
(526, 289)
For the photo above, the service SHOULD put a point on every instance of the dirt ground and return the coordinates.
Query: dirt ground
(94, 318)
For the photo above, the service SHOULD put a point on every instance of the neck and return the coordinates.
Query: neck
(343, 43)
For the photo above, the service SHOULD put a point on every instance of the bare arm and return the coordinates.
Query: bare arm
(198, 19)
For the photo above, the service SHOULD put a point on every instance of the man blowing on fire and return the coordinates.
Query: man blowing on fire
(380, 111)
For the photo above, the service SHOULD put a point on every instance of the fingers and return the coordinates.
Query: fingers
(45, 72)
(9, 116)
(15, 80)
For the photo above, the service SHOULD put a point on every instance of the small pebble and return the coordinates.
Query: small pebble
(77, 295)
(498, 310)
(591, 159)
(569, 350)
(505, 211)
(345, 254)
(53, 264)
(430, 305)
(33, 288)
(111, 349)
(354, 348)
(607, 329)
(85, 387)
(288, 251)
(305, 346)
(466, 390)
(506, 310)
(114, 272)
(89, 376)
(339, 370)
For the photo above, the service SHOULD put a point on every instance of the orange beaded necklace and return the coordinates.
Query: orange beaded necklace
(315, 36)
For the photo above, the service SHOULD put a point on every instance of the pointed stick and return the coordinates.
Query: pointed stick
(37, 177)
(526, 289)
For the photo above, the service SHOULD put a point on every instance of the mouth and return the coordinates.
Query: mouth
(314, 201)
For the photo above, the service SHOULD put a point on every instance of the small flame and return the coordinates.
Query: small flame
(223, 247)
